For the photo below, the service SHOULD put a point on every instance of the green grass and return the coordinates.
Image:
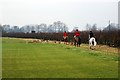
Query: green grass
(47, 60)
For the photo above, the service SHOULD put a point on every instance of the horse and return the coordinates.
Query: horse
(77, 41)
(92, 43)
(65, 39)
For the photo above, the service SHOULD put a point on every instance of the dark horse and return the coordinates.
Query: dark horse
(77, 41)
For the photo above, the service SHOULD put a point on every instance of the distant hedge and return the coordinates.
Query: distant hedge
(111, 38)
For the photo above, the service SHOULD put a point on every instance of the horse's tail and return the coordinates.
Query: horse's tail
(95, 42)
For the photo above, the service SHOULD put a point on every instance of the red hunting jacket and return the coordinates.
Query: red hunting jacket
(77, 33)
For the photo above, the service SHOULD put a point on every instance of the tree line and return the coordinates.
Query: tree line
(110, 35)
(37, 28)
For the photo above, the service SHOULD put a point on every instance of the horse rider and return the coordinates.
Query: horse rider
(77, 33)
(77, 37)
(65, 36)
(92, 41)
(91, 34)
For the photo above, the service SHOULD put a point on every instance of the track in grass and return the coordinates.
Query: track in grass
(48, 60)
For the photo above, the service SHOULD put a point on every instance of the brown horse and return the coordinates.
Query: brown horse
(77, 41)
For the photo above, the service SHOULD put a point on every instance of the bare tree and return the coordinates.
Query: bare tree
(94, 27)
(88, 27)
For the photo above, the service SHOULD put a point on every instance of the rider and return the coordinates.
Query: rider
(91, 34)
(77, 37)
(65, 36)
(92, 40)
(77, 33)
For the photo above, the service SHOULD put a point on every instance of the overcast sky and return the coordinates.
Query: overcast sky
(74, 13)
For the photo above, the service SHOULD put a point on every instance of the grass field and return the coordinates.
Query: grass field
(50, 60)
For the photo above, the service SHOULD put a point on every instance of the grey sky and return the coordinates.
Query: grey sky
(74, 13)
